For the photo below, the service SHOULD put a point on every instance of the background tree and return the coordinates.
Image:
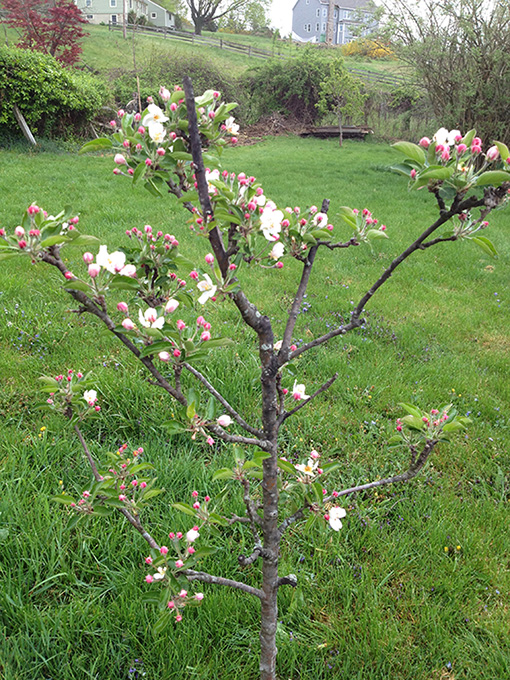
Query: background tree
(51, 26)
(250, 17)
(459, 53)
(203, 12)
(340, 92)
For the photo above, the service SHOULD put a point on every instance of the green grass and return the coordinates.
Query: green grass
(381, 599)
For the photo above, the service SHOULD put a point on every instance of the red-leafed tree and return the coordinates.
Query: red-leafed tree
(51, 26)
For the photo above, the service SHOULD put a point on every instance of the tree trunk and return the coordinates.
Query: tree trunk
(199, 24)
(340, 129)
(268, 621)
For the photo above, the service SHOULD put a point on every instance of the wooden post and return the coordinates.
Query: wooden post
(24, 127)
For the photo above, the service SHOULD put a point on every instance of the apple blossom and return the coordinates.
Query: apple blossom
(192, 535)
(298, 392)
(224, 421)
(164, 93)
(112, 262)
(149, 319)
(160, 575)
(119, 159)
(90, 397)
(231, 126)
(128, 325)
(308, 469)
(207, 288)
(277, 250)
(492, 153)
(88, 258)
(171, 306)
(164, 356)
(335, 515)
(154, 115)
(199, 596)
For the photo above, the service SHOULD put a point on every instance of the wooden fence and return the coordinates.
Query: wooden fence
(248, 50)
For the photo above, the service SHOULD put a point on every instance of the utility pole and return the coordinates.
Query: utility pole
(124, 19)
(330, 27)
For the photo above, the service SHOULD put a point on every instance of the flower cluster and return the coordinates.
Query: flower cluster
(71, 393)
(153, 143)
(364, 225)
(433, 425)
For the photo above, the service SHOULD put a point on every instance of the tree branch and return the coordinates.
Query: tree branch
(223, 401)
(192, 575)
(304, 403)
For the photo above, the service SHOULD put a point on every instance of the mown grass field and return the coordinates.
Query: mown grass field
(416, 584)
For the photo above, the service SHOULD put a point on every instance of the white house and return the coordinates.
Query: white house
(106, 11)
(310, 20)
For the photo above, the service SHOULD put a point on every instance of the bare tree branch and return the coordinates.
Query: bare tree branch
(192, 575)
(223, 401)
(305, 402)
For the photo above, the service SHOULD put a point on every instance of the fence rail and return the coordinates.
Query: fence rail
(250, 51)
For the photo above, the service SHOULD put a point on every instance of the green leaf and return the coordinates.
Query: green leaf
(396, 440)
(413, 422)
(260, 456)
(218, 519)
(184, 507)
(503, 150)
(140, 171)
(485, 244)
(141, 466)
(493, 178)
(152, 188)
(412, 151)
(317, 491)
(161, 624)
(174, 427)
(437, 172)
(54, 240)
(468, 137)
(223, 473)
(348, 215)
(204, 551)
(217, 342)
(402, 169)
(412, 410)
(182, 156)
(190, 411)
(96, 145)
(78, 285)
(151, 493)
(454, 426)
(63, 498)
(376, 233)
(286, 466)
(5, 256)
(102, 510)
(83, 239)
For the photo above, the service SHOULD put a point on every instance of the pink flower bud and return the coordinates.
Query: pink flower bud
(209, 258)
(232, 267)
(143, 485)
(122, 497)
(164, 356)
(492, 153)
(196, 505)
(120, 113)
(141, 130)
(210, 441)
(173, 106)
(149, 578)
(128, 325)
(160, 151)
(205, 336)
(177, 353)
(126, 144)
(119, 159)
(475, 148)
(293, 348)
(138, 147)
(179, 534)
(163, 550)
(233, 140)
(94, 270)
(88, 258)
(179, 564)
(413, 173)
(137, 117)
(216, 94)
(164, 93)
(285, 390)
(461, 148)
(279, 265)
(178, 618)
(148, 560)
(148, 162)
(183, 593)
(180, 325)
(19, 231)
(113, 124)
(193, 275)
(69, 276)
(122, 307)
(212, 115)
(425, 142)
(199, 596)
(171, 604)
(206, 499)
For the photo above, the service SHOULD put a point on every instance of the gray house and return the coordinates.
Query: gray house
(310, 20)
(106, 11)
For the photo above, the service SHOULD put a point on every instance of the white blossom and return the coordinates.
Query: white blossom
(335, 514)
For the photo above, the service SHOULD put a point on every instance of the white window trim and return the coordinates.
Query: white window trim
(154, 15)
(113, 3)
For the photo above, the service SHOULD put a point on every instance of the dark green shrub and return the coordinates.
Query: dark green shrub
(54, 100)
(288, 86)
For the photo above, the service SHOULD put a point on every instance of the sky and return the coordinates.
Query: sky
(281, 15)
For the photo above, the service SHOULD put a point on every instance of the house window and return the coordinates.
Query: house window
(130, 4)
(336, 13)
(113, 3)
(323, 26)
(316, 28)
(88, 3)
(90, 17)
(318, 13)
(154, 15)
(324, 12)
(114, 18)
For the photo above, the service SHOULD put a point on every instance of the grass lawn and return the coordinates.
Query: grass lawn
(416, 584)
